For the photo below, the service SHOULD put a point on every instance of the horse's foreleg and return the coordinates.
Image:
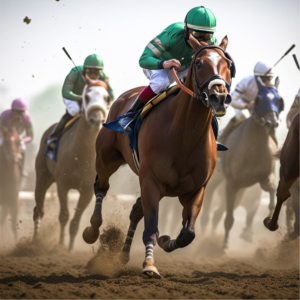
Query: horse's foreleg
(191, 207)
(150, 202)
(135, 216)
(270, 187)
(14, 217)
(83, 201)
(43, 182)
(64, 211)
(91, 233)
(231, 195)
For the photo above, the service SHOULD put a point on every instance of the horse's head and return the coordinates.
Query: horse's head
(268, 104)
(211, 72)
(94, 101)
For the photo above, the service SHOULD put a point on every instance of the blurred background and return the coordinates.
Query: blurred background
(33, 65)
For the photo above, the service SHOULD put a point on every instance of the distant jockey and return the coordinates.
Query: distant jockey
(244, 95)
(72, 92)
(17, 119)
(170, 49)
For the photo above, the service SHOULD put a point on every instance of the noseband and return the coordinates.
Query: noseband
(201, 95)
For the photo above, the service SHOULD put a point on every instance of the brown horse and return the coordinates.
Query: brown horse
(10, 177)
(250, 159)
(74, 167)
(289, 173)
(177, 152)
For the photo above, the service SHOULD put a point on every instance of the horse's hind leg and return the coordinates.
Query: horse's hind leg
(85, 198)
(231, 195)
(135, 216)
(191, 208)
(289, 215)
(296, 208)
(211, 187)
(4, 214)
(13, 209)
(64, 211)
(43, 182)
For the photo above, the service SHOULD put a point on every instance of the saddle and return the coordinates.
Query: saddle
(52, 154)
(133, 136)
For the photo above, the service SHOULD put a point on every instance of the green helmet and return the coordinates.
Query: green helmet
(201, 19)
(93, 61)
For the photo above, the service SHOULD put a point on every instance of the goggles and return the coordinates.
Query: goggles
(201, 35)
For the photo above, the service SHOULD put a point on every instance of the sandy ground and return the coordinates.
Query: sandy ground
(268, 268)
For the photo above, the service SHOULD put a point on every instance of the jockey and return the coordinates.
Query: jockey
(170, 49)
(244, 95)
(72, 92)
(17, 119)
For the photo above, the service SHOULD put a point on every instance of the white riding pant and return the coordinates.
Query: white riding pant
(161, 79)
(241, 114)
(73, 107)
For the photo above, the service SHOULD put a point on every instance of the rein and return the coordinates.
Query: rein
(201, 95)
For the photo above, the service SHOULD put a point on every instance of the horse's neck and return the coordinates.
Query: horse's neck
(254, 132)
(189, 115)
(84, 135)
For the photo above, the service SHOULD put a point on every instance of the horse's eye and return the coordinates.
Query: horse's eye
(198, 64)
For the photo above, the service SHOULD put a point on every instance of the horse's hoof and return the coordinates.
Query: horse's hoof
(124, 257)
(246, 236)
(151, 272)
(293, 235)
(224, 250)
(90, 235)
(162, 240)
(267, 223)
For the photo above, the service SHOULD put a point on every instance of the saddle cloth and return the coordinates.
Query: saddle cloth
(133, 136)
(52, 154)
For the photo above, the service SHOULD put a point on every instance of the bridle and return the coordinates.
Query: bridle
(201, 95)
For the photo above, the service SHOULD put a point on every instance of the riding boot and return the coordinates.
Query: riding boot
(128, 121)
(227, 130)
(57, 131)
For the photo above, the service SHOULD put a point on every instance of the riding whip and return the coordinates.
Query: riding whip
(286, 53)
(296, 61)
(66, 52)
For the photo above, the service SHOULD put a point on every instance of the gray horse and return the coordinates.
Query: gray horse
(74, 167)
(10, 177)
(250, 159)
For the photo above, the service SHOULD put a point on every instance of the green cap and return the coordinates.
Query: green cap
(201, 19)
(93, 61)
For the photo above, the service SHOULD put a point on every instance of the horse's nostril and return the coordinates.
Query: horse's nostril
(277, 124)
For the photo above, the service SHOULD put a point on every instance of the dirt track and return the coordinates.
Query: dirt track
(266, 269)
(60, 275)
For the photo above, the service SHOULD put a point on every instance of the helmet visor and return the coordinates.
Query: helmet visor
(202, 35)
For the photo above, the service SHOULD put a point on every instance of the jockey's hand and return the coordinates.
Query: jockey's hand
(250, 105)
(169, 64)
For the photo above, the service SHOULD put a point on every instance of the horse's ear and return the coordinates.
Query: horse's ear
(259, 82)
(224, 43)
(194, 44)
(277, 81)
